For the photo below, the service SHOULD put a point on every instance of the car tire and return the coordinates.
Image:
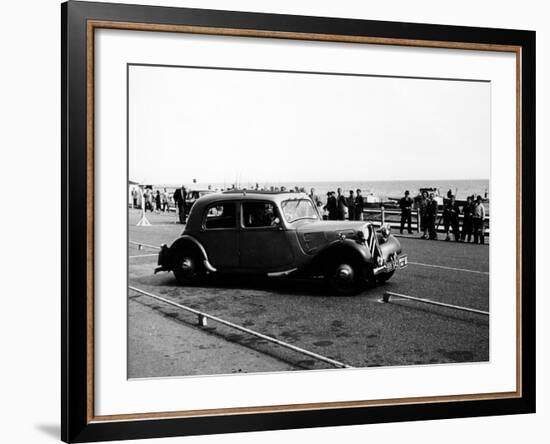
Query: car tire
(188, 268)
(345, 277)
(383, 277)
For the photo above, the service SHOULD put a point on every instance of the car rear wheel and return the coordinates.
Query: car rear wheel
(188, 268)
(345, 277)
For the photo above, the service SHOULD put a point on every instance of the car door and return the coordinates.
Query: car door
(263, 244)
(219, 234)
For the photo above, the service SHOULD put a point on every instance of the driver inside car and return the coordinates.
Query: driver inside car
(262, 215)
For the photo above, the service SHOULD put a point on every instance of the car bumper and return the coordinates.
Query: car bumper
(393, 263)
(163, 259)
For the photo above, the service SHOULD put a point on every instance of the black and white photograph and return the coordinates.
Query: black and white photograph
(298, 220)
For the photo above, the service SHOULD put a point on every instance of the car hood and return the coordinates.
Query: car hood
(308, 226)
(314, 235)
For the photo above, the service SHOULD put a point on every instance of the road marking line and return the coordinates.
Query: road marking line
(143, 255)
(449, 268)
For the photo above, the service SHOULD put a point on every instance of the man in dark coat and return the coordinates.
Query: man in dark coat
(331, 205)
(468, 224)
(423, 207)
(341, 205)
(180, 196)
(359, 205)
(351, 205)
(406, 204)
(479, 221)
(451, 211)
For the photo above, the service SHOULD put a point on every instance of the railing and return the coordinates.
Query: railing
(379, 216)
(389, 294)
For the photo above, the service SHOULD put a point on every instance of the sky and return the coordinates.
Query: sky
(227, 126)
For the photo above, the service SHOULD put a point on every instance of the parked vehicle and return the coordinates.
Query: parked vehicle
(193, 196)
(279, 234)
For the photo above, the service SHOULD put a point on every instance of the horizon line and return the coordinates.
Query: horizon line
(327, 181)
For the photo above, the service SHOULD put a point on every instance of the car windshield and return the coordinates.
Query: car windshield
(299, 209)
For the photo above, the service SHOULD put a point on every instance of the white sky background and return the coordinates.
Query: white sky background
(217, 126)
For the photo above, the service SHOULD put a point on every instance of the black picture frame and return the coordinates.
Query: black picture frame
(77, 425)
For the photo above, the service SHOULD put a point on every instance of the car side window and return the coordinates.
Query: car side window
(220, 215)
(259, 214)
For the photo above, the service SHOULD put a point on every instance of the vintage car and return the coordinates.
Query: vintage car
(279, 234)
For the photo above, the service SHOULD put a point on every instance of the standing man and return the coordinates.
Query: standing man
(479, 221)
(406, 204)
(157, 201)
(180, 197)
(341, 205)
(468, 224)
(432, 216)
(447, 209)
(423, 207)
(359, 205)
(331, 205)
(135, 194)
(315, 198)
(165, 200)
(451, 210)
(148, 195)
(453, 218)
(351, 205)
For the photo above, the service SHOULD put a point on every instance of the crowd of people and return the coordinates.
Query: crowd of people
(338, 205)
(152, 201)
(160, 201)
(473, 225)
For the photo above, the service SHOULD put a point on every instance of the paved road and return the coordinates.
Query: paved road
(161, 343)
(359, 330)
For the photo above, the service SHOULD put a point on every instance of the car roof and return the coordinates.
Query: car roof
(244, 195)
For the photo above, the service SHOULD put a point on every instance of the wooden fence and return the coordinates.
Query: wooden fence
(378, 216)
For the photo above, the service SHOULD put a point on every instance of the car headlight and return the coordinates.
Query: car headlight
(385, 230)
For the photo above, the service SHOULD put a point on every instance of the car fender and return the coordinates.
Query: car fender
(390, 246)
(188, 240)
(341, 247)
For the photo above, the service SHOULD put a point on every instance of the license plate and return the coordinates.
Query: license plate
(402, 261)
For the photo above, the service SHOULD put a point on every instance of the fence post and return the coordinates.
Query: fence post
(202, 321)
(382, 215)
(418, 220)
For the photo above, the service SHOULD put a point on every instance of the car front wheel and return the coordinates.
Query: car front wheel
(346, 277)
(188, 268)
